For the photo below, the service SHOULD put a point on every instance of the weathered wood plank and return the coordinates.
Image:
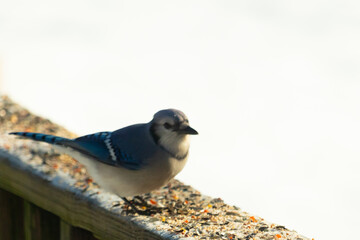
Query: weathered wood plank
(40, 224)
(65, 230)
(69, 232)
(11, 216)
(28, 223)
(68, 203)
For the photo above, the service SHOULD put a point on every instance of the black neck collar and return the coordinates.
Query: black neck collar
(156, 138)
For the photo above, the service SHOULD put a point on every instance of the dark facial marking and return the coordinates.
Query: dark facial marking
(155, 137)
(167, 125)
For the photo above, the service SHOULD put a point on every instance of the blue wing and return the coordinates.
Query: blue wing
(101, 147)
(98, 146)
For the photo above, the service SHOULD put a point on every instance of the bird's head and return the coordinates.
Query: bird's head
(170, 129)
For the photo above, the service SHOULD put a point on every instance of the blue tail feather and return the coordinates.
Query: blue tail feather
(41, 137)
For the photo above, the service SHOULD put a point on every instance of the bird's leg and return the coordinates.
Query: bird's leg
(142, 201)
(169, 188)
(134, 208)
(129, 203)
(148, 208)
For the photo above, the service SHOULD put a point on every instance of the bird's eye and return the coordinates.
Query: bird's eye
(167, 125)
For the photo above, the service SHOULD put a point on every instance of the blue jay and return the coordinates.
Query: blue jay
(132, 160)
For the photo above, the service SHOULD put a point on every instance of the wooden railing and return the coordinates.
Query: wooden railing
(48, 196)
(49, 207)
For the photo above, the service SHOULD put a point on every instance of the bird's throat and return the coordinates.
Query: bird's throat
(176, 145)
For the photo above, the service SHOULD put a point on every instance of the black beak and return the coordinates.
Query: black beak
(188, 130)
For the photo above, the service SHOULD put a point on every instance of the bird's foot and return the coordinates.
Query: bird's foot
(115, 204)
(140, 206)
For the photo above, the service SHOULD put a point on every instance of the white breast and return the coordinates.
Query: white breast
(127, 183)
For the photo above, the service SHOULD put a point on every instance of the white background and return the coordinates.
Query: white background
(271, 86)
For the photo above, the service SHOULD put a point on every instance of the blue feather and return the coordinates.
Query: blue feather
(92, 145)
(51, 139)
(95, 146)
